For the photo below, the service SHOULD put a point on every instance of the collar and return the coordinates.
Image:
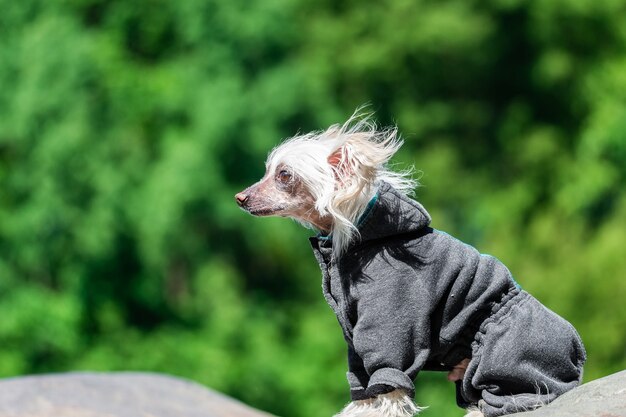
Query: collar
(362, 218)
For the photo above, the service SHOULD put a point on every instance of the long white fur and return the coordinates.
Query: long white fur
(342, 189)
(394, 404)
(474, 412)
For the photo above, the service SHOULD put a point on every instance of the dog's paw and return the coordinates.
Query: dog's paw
(474, 412)
(394, 404)
(356, 409)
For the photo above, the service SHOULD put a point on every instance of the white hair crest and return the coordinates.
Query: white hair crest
(342, 167)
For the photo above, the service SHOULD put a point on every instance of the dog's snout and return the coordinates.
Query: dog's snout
(241, 198)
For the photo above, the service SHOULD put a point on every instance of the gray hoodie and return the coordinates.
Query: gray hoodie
(407, 297)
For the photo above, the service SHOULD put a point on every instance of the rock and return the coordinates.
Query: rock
(123, 394)
(604, 397)
(130, 394)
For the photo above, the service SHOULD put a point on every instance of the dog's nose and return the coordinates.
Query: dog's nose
(241, 198)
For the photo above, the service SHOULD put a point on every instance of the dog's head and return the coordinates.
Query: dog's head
(281, 192)
(325, 179)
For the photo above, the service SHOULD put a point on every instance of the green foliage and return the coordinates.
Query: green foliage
(127, 127)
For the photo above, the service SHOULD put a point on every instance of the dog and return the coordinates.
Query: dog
(409, 297)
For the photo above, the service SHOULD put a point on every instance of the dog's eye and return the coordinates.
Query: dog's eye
(284, 176)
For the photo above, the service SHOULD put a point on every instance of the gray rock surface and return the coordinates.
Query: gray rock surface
(129, 394)
(604, 397)
(123, 394)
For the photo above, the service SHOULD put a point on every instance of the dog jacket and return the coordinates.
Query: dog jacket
(411, 298)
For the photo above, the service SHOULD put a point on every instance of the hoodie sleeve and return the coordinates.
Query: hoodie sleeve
(392, 332)
(357, 377)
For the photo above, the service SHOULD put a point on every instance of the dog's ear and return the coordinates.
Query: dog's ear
(334, 159)
(341, 162)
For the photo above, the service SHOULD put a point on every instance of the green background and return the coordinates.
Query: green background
(126, 128)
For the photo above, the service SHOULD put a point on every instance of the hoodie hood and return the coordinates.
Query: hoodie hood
(390, 213)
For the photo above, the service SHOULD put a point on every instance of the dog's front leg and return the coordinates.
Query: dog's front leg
(393, 404)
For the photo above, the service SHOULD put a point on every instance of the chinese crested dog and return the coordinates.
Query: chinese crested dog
(407, 296)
